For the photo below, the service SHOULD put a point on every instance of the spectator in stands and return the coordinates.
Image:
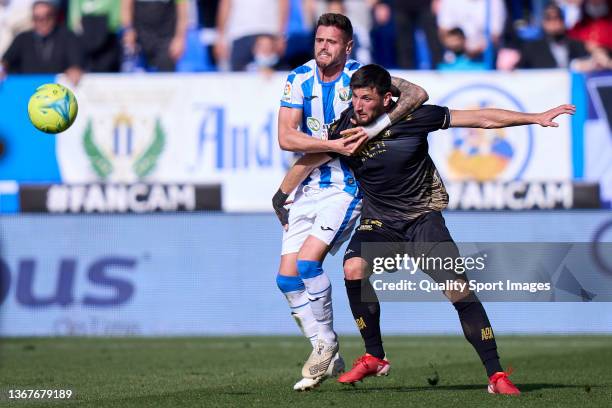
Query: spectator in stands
(383, 34)
(595, 27)
(157, 29)
(409, 16)
(455, 55)
(360, 14)
(571, 11)
(240, 22)
(555, 49)
(97, 22)
(482, 21)
(47, 48)
(207, 15)
(266, 56)
(15, 18)
(333, 6)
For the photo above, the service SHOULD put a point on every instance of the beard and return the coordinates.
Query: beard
(370, 120)
(326, 65)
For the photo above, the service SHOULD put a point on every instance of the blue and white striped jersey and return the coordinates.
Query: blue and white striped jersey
(321, 104)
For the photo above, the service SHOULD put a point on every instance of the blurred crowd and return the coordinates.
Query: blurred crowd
(77, 36)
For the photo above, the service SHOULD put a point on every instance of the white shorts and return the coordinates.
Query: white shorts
(328, 214)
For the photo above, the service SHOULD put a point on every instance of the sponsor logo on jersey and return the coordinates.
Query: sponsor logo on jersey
(313, 124)
(345, 94)
(287, 92)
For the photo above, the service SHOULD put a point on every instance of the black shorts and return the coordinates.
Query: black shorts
(426, 236)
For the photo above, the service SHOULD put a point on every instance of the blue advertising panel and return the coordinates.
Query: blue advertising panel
(206, 274)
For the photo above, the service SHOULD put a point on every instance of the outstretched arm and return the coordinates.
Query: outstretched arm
(296, 174)
(499, 118)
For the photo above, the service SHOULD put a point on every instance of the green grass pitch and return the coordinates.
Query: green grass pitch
(559, 371)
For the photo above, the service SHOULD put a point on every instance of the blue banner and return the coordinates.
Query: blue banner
(30, 154)
(205, 274)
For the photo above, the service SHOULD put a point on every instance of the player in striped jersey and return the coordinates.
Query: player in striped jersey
(328, 203)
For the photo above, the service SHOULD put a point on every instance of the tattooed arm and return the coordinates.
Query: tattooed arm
(410, 97)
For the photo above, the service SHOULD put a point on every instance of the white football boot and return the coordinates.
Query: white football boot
(335, 368)
(320, 359)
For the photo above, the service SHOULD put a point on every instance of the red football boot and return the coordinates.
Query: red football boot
(499, 383)
(365, 366)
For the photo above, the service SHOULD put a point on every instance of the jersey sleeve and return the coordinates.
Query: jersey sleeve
(293, 97)
(429, 118)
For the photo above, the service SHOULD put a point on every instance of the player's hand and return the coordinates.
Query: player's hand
(279, 201)
(353, 140)
(348, 146)
(545, 119)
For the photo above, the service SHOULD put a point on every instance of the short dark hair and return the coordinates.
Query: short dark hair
(52, 3)
(456, 31)
(339, 21)
(372, 76)
(555, 9)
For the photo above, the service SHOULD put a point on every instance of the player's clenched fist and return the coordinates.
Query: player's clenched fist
(278, 203)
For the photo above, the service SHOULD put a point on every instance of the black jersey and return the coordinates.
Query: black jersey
(398, 179)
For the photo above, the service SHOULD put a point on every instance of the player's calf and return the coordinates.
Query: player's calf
(294, 291)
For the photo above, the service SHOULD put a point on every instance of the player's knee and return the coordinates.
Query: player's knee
(459, 297)
(289, 283)
(354, 269)
(287, 265)
(309, 269)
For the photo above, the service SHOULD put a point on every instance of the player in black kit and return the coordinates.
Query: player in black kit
(403, 196)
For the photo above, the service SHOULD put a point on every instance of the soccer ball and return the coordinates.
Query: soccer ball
(52, 108)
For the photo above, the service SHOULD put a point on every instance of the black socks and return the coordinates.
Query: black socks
(366, 314)
(478, 332)
(474, 321)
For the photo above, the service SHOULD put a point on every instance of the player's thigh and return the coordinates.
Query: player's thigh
(313, 249)
(301, 221)
(368, 243)
(429, 237)
(288, 265)
(337, 213)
